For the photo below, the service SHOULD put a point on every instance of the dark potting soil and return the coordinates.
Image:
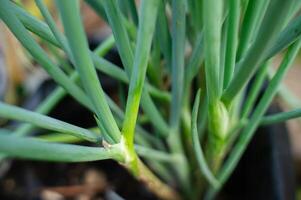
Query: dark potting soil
(30, 180)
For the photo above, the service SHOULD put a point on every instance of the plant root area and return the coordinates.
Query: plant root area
(32, 180)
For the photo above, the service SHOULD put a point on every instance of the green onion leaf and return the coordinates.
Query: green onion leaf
(281, 117)
(37, 149)
(145, 33)
(15, 113)
(74, 31)
(255, 119)
(197, 146)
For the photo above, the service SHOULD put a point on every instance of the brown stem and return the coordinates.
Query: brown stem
(154, 184)
(142, 173)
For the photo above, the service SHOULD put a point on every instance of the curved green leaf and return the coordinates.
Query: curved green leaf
(197, 146)
(15, 113)
(37, 149)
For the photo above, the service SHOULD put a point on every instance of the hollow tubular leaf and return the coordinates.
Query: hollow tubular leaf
(197, 146)
(74, 31)
(60, 138)
(163, 35)
(177, 62)
(255, 89)
(120, 34)
(51, 23)
(272, 23)
(252, 19)
(109, 68)
(125, 50)
(37, 149)
(15, 113)
(145, 33)
(212, 11)
(34, 25)
(281, 117)
(154, 154)
(232, 40)
(197, 57)
(289, 35)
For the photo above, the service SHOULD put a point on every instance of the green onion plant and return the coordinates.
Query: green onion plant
(187, 115)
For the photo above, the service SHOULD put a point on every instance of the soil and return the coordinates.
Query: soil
(32, 180)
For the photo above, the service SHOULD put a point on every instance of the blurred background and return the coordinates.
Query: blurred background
(21, 78)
